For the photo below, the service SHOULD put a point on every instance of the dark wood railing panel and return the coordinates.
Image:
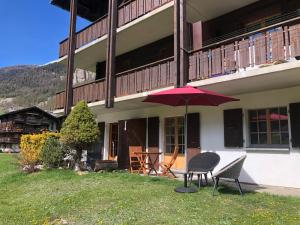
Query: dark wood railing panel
(243, 54)
(85, 36)
(9, 140)
(90, 92)
(276, 45)
(229, 58)
(260, 46)
(126, 13)
(59, 100)
(216, 61)
(294, 32)
(153, 76)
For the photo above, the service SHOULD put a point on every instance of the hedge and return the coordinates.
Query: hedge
(31, 146)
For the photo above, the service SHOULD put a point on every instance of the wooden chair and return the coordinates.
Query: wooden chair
(166, 166)
(134, 159)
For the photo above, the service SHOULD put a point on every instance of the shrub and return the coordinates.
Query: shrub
(31, 146)
(52, 152)
(79, 129)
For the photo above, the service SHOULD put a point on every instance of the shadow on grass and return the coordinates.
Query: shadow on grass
(223, 188)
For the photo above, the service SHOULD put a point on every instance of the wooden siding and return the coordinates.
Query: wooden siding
(126, 13)
(152, 76)
(277, 45)
(90, 92)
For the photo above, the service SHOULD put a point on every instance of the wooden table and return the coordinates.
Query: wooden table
(147, 162)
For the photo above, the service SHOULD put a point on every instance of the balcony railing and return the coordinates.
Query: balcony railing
(127, 12)
(275, 44)
(271, 45)
(9, 140)
(149, 77)
(9, 127)
(89, 92)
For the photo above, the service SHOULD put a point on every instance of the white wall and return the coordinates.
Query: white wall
(279, 168)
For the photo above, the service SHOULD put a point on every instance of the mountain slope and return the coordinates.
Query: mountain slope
(24, 86)
(29, 85)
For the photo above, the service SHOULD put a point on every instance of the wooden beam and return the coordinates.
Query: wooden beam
(180, 42)
(177, 41)
(183, 44)
(71, 55)
(111, 54)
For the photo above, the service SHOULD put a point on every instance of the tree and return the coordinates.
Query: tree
(52, 152)
(79, 129)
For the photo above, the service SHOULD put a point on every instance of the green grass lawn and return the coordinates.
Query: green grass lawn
(121, 198)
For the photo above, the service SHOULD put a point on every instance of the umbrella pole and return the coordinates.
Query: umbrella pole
(185, 136)
(185, 188)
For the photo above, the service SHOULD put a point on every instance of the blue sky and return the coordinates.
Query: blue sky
(30, 31)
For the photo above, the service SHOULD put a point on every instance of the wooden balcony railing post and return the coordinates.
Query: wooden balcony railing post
(111, 54)
(71, 55)
(286, 41)
(180, 42)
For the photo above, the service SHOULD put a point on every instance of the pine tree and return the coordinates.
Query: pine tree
(79, 129)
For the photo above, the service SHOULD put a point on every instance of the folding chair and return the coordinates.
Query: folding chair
(134, 159)
(166, 166)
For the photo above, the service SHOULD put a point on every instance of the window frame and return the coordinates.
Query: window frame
(176, 139)
(266, 146)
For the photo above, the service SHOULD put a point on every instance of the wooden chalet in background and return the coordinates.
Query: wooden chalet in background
(25, 121)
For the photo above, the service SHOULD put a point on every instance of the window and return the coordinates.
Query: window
(269, 127)
(174, 133)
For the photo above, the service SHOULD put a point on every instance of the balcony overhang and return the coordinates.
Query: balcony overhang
(149, 28)
(87, 9)
(206, 10)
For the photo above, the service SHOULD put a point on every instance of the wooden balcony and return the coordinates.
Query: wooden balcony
(9, 127)
(149, 77)
(127, 12)
(275, 44)
(271, 45)
(89, 92)
(9, 140)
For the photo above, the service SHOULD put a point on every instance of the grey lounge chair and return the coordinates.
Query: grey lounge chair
(202, 164)
(231, 171)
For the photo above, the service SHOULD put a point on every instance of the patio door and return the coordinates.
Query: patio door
(174, 138)
(132, 134)
(113, 141)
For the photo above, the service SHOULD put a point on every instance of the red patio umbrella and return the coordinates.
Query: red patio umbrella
(186, 96)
